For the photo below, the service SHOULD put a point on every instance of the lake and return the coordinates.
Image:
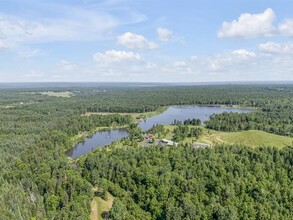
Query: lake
(100, 138)
(180, 113)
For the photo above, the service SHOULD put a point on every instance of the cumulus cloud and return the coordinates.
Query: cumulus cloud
(272, 48)
(241, 65)
(67, 65)
(135, 41)
(112, 56)
(225, 60)
(226, 66)
(244, 53)
(250, 25)
(164, 34)
(286, 28)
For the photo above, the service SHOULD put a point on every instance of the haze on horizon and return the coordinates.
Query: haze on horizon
(145, 41)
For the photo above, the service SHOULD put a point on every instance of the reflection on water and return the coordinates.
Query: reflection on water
(100, 138)
(181, 113)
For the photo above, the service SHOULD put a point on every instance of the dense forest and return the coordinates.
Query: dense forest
(225, 182)
(277, 121)
(181, 132)
(34, 166)
(36, 130)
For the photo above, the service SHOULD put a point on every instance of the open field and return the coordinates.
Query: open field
(251, 138)
(99, 206)
(58, 94)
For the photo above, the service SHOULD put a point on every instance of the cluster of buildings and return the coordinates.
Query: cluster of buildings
(150, 138)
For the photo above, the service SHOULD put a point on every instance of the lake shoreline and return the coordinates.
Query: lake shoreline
(166, 115)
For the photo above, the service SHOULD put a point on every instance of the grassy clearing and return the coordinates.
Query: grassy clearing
(99, 206)
(94, 210)
(251, 138)
(58, 94)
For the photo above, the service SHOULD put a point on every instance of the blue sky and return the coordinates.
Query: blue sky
(146, 40)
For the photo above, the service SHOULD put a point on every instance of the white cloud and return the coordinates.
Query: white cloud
(164, 34)
(286, 28)
(271, 48)
(125, 66)
(226, 60)
(112, 56)
(244, 53)
(250, 25)
(67, 65)
(234, 65)
(135, 41)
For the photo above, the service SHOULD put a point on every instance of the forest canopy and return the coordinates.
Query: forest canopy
(37, 129)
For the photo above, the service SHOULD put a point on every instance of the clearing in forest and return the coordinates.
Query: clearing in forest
(100, 206)
(252, 138)
(58, 94)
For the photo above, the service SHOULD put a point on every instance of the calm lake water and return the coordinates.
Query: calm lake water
(100, 138)
(181, 113)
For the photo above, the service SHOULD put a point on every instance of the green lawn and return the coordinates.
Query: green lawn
(100, 206)
(251, 138)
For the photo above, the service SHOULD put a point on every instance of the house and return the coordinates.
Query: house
(200, 145)
(168, 143)
(149, 136)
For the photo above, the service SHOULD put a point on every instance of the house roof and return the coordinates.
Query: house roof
(197, 144)
(168, 142)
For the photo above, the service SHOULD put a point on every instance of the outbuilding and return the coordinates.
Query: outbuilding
(200, 145)
(168, 142)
